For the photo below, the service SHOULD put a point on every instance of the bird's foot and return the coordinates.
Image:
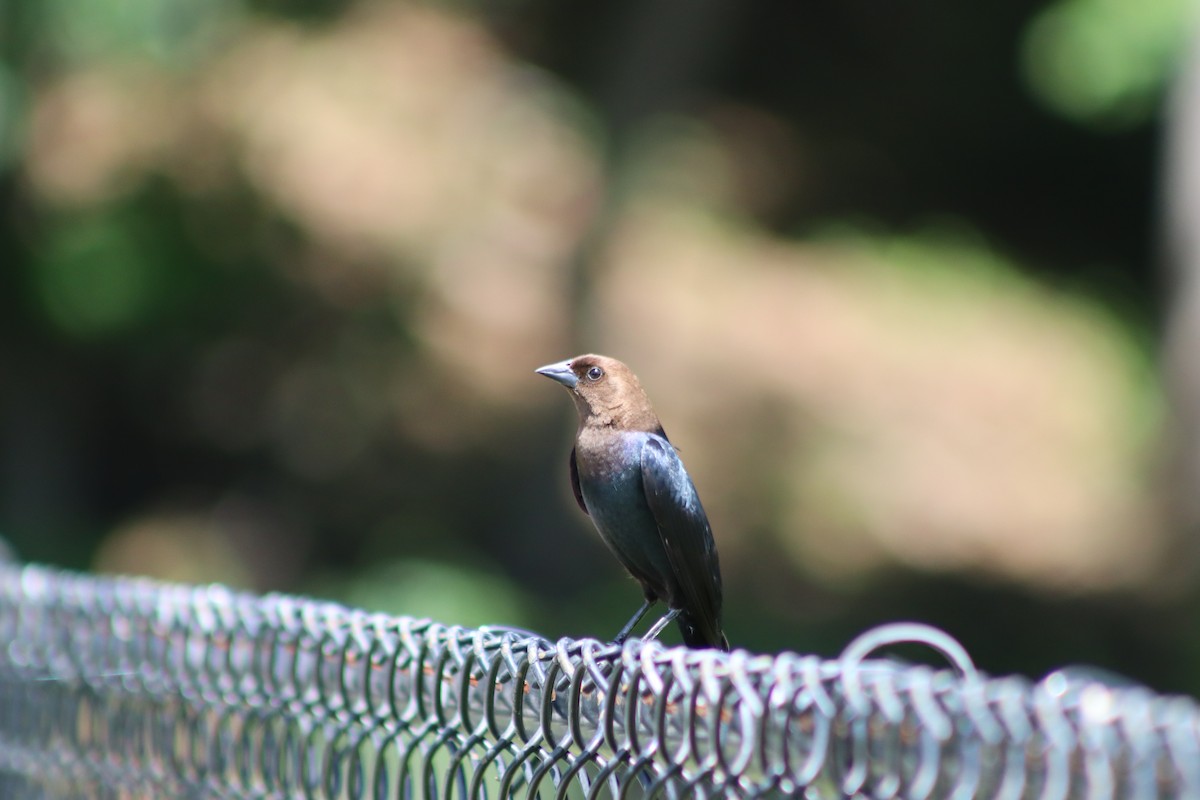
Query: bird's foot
(665, 620)
(623, 634)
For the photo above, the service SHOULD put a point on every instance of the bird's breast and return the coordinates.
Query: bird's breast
(610, 480)
(613, 492)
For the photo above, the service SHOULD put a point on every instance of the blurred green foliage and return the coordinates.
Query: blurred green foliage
(102, 277)
(175, 32)
(454, 593)
(1105, 62)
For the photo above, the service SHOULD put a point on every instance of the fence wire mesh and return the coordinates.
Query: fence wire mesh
(127, 688)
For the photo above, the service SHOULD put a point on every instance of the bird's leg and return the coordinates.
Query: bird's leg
(657, 627)
(637, 617)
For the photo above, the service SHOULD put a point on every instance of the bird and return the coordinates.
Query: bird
(628, 478)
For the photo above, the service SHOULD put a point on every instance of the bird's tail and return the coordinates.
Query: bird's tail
(699, 635)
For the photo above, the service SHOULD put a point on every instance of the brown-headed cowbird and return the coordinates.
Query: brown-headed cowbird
(628, 478)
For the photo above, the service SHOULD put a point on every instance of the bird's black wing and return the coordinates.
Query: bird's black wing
(687, 538)
(575, 483)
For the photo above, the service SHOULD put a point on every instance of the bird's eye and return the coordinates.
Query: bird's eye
(595, 374)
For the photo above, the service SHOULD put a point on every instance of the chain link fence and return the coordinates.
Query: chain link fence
(128, 688)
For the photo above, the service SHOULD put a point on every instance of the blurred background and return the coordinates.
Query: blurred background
(908, 282)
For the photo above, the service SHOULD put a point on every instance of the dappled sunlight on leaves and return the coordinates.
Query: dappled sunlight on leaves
(928, 406)
(96, 132)
(426, 170)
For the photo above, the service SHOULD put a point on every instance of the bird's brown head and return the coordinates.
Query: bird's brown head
(605, 391)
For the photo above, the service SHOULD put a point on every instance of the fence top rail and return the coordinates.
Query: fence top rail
(170, 688)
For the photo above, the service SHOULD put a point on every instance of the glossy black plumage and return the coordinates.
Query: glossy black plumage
(629, 479)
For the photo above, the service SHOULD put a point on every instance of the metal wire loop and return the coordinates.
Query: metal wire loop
(112, 687)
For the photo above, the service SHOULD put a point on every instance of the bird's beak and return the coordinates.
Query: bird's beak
(560, 372)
